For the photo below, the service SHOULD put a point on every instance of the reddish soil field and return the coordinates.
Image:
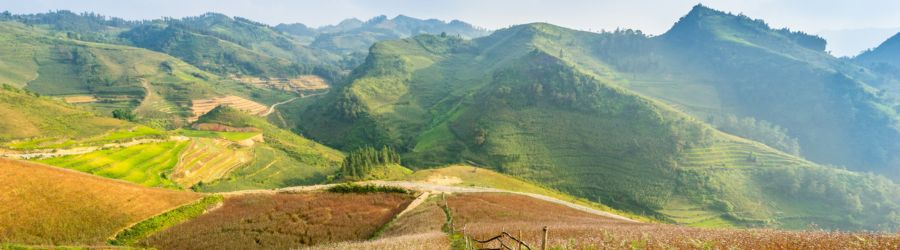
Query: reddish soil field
(485, 215)
(284, 221)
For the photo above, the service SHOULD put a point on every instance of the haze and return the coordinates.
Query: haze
(849, 26)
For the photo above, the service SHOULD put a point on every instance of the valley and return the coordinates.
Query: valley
(221, 132)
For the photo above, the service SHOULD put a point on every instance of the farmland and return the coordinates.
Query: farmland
(205, 160)
(202, 106)
(145, 164)
(296, 84)
(283, 221)
(43, 205)
(485, 215)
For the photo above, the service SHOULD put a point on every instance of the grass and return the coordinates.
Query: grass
(23, 116)
(486, 215)
(463, 175)
(232, 136)
(145, 164)
(145, 228)
(117, 135)
(44, 205)
(282, 221)
(272, 168)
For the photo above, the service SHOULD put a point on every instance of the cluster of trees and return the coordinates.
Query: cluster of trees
(758, 130)
(358, 163)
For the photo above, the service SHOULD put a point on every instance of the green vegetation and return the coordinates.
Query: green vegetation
(555, 106)
(232, 136)
(145, 164)
(139, 231)
(24, 116)
(360, 163)
(285, 159)
(364, 189)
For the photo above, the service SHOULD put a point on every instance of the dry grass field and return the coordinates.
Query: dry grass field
(420, 241)
(79, 99)
(284, 221)
(485, 215)
(43, 205)
(202, 106)
(426, 218)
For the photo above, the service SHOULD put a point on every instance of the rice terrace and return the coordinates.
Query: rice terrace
(538, 125)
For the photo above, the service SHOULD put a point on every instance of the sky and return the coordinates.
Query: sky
(850, 26)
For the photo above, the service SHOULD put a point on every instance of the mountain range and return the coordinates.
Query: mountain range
(722, 121)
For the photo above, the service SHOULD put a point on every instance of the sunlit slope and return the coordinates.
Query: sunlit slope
(45, 205)
(516, 102)
(24, 115)
(157, 86)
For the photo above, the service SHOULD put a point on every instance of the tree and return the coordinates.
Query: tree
(124, 114)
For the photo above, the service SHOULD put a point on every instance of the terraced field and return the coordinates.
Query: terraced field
(271, 168)
(44, 205)
(736, 154)
(205, 160)
(202, 106)
(146, 164)
(284, 221)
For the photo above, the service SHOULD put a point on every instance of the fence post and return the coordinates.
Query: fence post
(519, 244)
(544, 239)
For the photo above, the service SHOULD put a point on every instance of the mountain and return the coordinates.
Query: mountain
(884, 59)
(227, 45)
(712, 62)
(536, 101)
(355, 36)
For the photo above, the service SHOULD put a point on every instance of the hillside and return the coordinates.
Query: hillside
(714, 64)
(158, 87)
(530, 102)
(49, 206)
(283, 159)
(354, 36)
(23, 116)
(227, 45)
(884, 59)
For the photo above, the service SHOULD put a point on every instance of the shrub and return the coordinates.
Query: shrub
(368, 188)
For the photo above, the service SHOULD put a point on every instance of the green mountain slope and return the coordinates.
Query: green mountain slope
(284, 159)
(157, 86)
(884, 59)
(528, 102)
(23, 115)
(226, 45)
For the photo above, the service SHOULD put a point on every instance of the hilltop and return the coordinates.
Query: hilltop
(535, 101)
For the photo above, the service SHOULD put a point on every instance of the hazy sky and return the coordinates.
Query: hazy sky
(877, 19)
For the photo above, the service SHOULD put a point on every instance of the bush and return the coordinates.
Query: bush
(363, 189)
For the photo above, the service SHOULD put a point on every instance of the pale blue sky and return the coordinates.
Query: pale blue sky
(827, 17)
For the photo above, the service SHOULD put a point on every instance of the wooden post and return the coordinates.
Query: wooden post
(544, 240)
(519, 244)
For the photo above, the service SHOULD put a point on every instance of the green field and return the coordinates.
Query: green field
(271, 168)
(232, 136)
(119, 135)
(146, 164)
